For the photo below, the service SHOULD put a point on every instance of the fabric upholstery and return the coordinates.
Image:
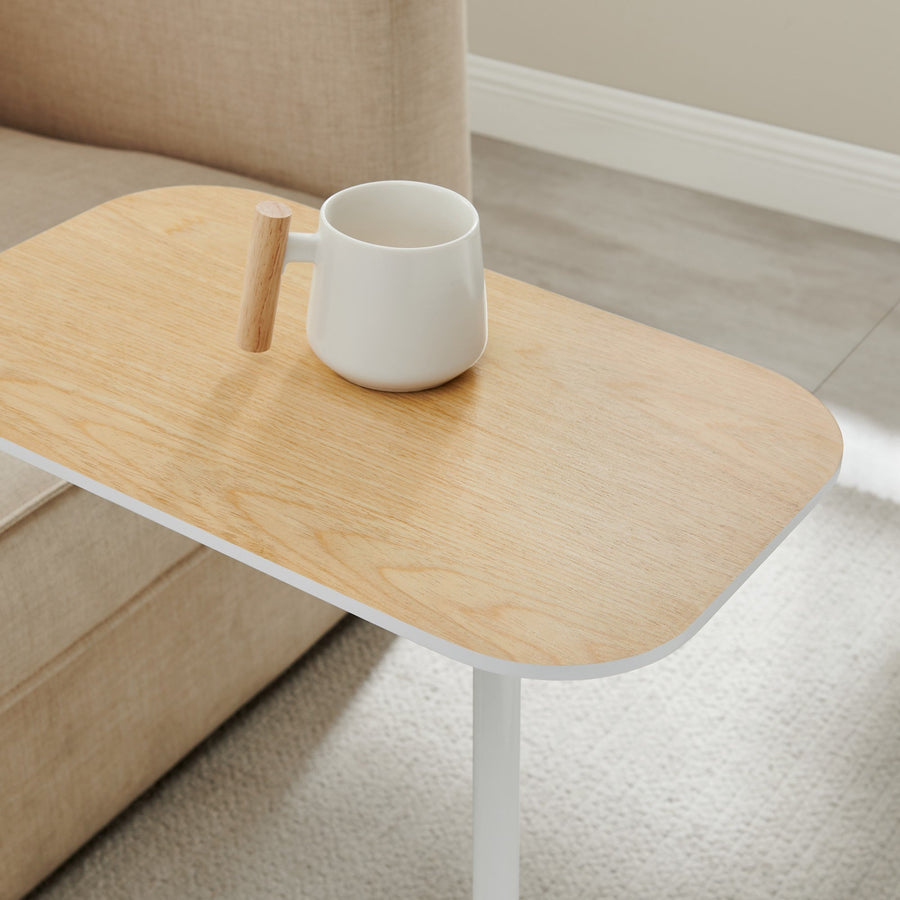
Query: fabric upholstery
(44, 182)
(101, 555)
(310, 95)
(22, 489)
(88, 733)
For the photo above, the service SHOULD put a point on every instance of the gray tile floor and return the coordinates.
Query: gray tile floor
(816, 303)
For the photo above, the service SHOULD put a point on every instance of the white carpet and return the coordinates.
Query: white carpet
(760, 761)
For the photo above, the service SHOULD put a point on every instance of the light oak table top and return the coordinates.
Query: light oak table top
(577, 504)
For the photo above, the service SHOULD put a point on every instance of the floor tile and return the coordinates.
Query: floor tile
(790, 294)
(864, 395)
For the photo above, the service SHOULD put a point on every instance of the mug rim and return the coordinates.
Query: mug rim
(437, 188)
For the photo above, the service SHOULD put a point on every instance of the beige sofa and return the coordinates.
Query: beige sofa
(122, 645)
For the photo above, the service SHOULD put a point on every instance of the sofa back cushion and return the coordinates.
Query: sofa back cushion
(308, 94)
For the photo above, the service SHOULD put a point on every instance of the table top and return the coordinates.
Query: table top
(577, 504)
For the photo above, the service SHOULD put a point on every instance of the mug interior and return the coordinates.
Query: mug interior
(400, 214)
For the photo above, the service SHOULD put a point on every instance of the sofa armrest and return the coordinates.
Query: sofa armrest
(307, 94)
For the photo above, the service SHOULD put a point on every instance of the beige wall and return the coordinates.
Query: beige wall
(827, 67)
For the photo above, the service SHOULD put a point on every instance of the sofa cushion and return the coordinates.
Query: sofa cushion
(23, 489)
(44, 182)
(316, 95)
(67, 558)
(85, 735)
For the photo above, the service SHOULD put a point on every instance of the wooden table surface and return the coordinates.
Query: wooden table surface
(583, 498)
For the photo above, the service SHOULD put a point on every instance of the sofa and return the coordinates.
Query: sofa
(123, 645)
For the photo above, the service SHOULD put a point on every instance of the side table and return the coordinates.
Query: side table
(577, 505)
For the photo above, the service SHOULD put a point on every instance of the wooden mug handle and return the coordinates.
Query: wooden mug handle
(262, 277)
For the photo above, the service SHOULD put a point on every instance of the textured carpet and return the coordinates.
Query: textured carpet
(762, 760)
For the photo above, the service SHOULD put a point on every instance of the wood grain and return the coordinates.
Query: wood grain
(582, 495)
(262, 276)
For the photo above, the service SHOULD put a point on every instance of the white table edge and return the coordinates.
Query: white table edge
(446, 648)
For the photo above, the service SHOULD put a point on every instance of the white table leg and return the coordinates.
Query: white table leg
(495, 758)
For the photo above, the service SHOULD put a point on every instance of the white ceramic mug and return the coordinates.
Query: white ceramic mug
(397, 301)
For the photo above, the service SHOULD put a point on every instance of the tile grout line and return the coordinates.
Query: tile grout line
(858, 344)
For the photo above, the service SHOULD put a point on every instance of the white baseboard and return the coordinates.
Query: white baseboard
(776, 168)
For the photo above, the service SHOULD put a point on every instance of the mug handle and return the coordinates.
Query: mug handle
(272, 246)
